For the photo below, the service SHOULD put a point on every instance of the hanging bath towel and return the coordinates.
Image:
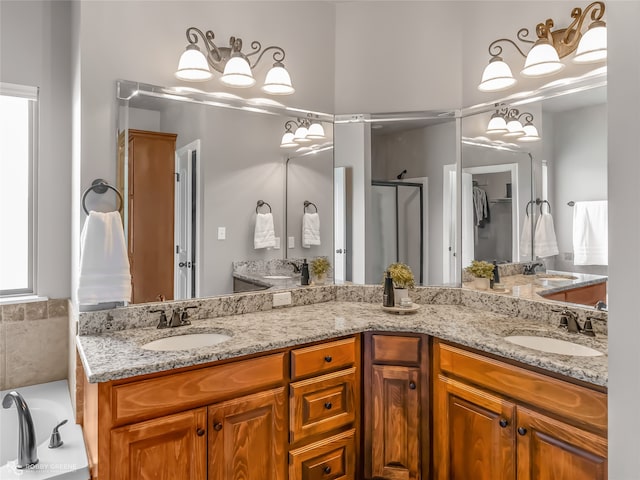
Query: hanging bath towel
(590, 233)
(545, 237)
(264, 235)
(310, 229)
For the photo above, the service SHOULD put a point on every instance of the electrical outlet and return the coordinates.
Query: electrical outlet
(222, 233)
(292, 242)
(280, 299)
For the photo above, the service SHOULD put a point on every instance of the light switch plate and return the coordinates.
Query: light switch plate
(280, 299)
(292, 242)
(277, 245)
(222, 233)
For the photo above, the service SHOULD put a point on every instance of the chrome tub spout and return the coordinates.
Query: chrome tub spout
(27, 451)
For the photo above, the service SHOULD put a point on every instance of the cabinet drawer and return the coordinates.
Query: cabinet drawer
(172, 393)
(396, 350)
(330, 459)
(322, 404)
(323, 358)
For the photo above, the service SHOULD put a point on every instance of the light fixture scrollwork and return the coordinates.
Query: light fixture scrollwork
(507, 122)
(301, 132)
(235, 66)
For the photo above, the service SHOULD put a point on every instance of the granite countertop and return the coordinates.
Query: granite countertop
(270, 279)
(118, 355)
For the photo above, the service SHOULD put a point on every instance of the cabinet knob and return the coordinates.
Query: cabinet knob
(522, 431)
(217, 426)
(200, 432)
(326, 470)
(328, 358)
(504, 422)
(412, 385)
(328, 405)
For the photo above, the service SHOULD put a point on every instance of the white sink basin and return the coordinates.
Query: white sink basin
(277, 277)
(186, 342)
(553, 345)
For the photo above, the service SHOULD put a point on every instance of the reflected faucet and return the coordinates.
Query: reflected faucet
(530, 268)
(27, 451)
(296, 267)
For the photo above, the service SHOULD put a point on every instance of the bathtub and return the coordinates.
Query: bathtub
(49, 404)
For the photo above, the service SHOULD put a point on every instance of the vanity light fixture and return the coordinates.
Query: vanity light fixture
(305, 132)
(544, 57)
(235, 66)
(507, 122)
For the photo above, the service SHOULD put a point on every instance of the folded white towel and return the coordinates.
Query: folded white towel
(545, 241)
(590, 233)
(310, 230)
(104, 265)
(265, 234)
(525, 238)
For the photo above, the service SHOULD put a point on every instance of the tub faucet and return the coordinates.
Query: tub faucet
(27, 451)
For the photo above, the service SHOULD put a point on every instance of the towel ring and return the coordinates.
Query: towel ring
(539, 202)
(261, 203)
(307, 203)
(548, 205)
(100, 186)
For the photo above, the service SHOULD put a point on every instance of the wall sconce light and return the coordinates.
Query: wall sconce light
(544, 57)
(234, 65)
(301, 132)
(507, 122)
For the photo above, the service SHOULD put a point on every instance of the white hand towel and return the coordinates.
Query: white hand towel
(104, 265)
(265, 234)
(590, 233)
(525, 238)
(310, 230)
(545, 241)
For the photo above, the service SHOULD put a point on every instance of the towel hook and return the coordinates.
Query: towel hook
(261, 203)
(307, 203)
(100, 186)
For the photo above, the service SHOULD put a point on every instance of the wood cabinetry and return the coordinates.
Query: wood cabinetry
(494, 420)
(396, 406)
(589, 295)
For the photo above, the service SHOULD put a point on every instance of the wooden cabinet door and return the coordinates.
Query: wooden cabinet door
(248, 437)
(473, 433)
(552, 450)
(396, 423)
(166, 448)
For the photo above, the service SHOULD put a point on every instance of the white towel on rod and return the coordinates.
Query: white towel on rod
(310, 229)
(525, 238)
(545, 241)
(264, 235)
(104, 266)
(590, 233)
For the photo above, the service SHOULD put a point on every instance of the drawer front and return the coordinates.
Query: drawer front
(172, 393)
(322, 404)
(323, 358)
(396, 350)
(330, 459)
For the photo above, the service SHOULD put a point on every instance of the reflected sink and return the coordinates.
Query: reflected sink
(277, 277)
(186, 342)
(553, 345)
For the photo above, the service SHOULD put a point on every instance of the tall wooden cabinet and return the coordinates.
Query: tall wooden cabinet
(150, 172)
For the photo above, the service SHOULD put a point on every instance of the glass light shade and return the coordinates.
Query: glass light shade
(514, 128)
(287, 141)
(530, 133)
(497, 125)
(542, 60)
(593, 44)
(278, 81)
(316, 131)
(237, 73)
(193, 66)
(496, 76)
(301, 135)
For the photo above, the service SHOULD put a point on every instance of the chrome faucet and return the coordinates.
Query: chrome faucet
(27, 451)
(569, 321)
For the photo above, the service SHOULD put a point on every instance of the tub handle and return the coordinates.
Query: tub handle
(55, 440)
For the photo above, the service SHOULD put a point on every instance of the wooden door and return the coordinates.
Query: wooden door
(166, 448)
(473, 433)
(396, 422)
(552, 450)
(248, 437)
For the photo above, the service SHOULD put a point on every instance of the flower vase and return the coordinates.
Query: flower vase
(481, 283)
(399, 294)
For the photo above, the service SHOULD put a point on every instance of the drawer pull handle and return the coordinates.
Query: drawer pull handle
(504, 422)
(412, 385)
(217, 426)
(328, 405)
(328, 358)
(326, 470)
(200, 432)
(522, 431)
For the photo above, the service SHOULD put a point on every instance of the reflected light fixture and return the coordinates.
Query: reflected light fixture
(507, 123)
(302, 131)
(235, 66)
(552, 45)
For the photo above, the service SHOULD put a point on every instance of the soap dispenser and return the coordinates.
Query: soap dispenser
(496, 274)
(388, 299)
(304, 275)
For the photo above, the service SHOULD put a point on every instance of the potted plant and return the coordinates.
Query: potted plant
(482, 272)
(320, 266)
(403, 280)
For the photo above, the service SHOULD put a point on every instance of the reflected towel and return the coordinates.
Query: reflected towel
(590, 233)
(104, 265)
(310, 230)
(525, 238)
(264, 235)
(545, 241)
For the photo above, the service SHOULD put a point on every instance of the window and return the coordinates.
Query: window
(18, 151)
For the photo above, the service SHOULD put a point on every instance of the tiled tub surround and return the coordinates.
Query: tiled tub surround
(474, 319)
(34, 342)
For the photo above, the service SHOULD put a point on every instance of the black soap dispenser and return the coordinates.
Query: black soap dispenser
(496, 274)
(388, 299)
(304, 275)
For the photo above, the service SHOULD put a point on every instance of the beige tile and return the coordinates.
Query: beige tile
(36, 352)
(36, 311)
(13, 312)
(58, 307)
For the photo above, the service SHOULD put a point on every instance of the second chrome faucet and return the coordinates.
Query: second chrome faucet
(179, 318)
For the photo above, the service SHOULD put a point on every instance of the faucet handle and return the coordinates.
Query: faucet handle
(588, 327)
(163, 318)
(55, 440)
(185, 315)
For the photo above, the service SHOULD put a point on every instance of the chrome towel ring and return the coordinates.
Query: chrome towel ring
(100, 186)
(307, 203)
(261, 203)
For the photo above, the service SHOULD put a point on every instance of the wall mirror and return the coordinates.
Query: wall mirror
(507, 186)
(196, 168)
